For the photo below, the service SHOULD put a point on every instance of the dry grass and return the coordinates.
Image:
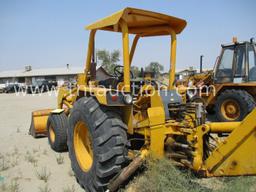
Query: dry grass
(161, 176)
(4, 163)
(45, 152)
(60, 159)
(245, 184)
(3, 186)
(69, 189)
(15, 161)
(35, 150)
(45, 188)
(9, 160)
(18, 130)
(14, 186)
(29, 157)
(43, 174)
(16, 151)
(71, 173)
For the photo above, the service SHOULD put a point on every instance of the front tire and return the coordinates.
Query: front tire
(234, 105)
(97, 144)
(57, 126)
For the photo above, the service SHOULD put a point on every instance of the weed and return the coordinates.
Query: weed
(31, 159)
(44, 189)
(14, 157)
(44, 174)
(4, 164)
(45, 152)
(35, 150)
(238, 184)
(15, 151)
(3, 187)
(69, 189)
(14, 186)
(18, 130)
(60, 159)
(161, 175)
(15, 161)
(71, 173)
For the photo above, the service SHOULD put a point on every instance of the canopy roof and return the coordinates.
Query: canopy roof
(140, 22)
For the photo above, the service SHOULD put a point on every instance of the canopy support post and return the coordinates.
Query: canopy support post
(134, 45)
(126, 57)
(89, 55)
(172, 59)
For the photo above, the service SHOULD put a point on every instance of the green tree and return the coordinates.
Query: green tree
(109, 59)
(135, 71)
(155, 67)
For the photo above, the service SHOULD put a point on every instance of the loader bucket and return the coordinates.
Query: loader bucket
(38, 127)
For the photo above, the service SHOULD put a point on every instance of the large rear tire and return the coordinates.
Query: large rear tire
(234, 105)
(97, 143)
(57, 126)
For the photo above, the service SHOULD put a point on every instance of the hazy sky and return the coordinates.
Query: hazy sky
(50, 33)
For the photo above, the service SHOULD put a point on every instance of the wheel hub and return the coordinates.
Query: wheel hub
(230, 109)
(83, 146)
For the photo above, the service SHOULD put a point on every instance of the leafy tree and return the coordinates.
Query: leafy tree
(135, 71)
(155, 67)
(109, 59)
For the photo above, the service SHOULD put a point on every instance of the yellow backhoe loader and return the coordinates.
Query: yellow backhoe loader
(110, 131)
(229, 90)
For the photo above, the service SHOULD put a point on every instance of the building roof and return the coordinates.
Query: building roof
(42, 72)
(186, 70)
(141, 22)
(47, 72)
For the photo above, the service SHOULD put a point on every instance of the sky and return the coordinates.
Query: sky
(51, 33)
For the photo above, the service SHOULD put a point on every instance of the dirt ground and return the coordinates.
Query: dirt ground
(28, 164)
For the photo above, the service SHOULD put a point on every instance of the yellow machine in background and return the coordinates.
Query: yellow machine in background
(109, 131)
(230, 89)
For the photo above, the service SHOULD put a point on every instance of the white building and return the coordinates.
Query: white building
(181, 74)
(60, 75)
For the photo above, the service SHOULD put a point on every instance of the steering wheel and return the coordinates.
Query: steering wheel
(118, 72)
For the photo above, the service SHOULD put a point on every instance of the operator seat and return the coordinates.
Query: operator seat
(109, 83)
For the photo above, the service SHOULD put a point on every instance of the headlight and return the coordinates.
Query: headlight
(128, 99)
